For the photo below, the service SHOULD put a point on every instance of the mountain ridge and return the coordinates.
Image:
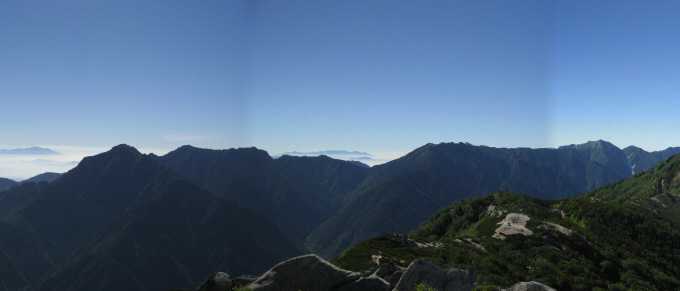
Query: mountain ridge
(49, 238)
(34, 150)
(448, 172)
(73, 229)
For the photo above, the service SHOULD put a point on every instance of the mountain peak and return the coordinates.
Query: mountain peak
(34, 150)
(125, 148)
(597, 144)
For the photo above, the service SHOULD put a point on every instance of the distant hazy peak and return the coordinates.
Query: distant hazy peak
(187, 150)
(328, 152)
(47, 177)
(35, 150)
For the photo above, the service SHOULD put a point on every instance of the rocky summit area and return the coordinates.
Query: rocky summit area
(313, 273)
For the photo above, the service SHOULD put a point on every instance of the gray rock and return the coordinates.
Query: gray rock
(442, 280)
(394, 278)
(472, 275)
(530, 286)
(368, 273)
(218, 282)
(306, 273)
(390, 272)
(387, 269)
(366, 284)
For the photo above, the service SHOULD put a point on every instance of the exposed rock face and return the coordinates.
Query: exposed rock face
(403, 239)
(311, 273)
(514, 223)
(394, 278)
(388, 269)
(308, 272)
(218, 282)
(371, 283)
(529, 286)
(443, 280)
(390, 272)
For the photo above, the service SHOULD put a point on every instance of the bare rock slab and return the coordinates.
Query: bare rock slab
(530, 286)
(218, 282)
(421, 271)
(307, 273)
(372, 283)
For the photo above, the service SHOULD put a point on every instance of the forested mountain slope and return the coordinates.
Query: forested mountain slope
(396, 196)
(578, 243)
(663, 178)
(640, 160)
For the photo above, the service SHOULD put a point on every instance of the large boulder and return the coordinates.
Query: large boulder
(307, 273)
(218, 282)
(394, 278)
(388, 269)
(371, 283)
(421, 271)
(390, 272)
(530, 286)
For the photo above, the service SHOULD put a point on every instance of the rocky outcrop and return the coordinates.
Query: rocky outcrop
(371, 283)
(514, 223)
(312, 273)
(529, 286)
(391, 272)
(308, 272)
(421, 271)
(218, 282)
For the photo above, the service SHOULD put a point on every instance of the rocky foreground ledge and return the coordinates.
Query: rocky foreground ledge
(312, 273)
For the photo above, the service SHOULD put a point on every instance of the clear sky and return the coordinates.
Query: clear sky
(375, 76)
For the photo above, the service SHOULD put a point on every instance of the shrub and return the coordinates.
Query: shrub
(424, 287)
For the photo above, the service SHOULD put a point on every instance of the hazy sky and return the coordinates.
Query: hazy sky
(376, 76)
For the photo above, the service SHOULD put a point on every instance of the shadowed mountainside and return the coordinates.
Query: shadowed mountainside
(7, 183)
(297, 192)
(118, 215)
(47, 177)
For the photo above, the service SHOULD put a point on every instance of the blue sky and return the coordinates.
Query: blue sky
(375, 76)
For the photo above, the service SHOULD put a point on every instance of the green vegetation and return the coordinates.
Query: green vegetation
(397, 196)
(424, 287)
(241, 288)
(661, 179)
(122, 220)
(612, 245)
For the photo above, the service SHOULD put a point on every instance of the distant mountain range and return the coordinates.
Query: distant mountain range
(366, 159)
(32, 151)
(124, 220)
(398, 195)
(327, 153)
(47, 177)
(620, 236)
